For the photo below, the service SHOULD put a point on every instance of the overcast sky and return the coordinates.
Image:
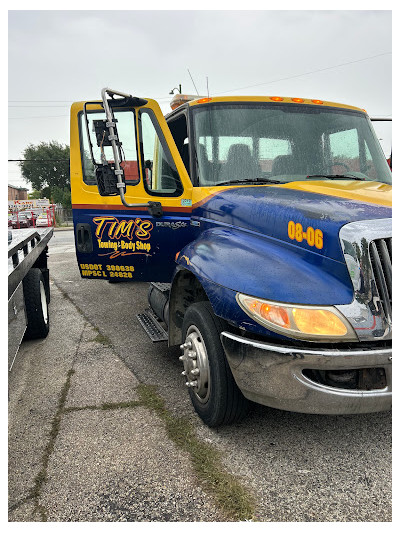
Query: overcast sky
(57, 57)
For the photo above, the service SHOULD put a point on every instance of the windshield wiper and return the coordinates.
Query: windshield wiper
(258, 180)
(336, 177)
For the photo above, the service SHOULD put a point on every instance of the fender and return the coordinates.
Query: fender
(261, 266)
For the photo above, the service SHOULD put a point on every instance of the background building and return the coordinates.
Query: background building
(17, 193)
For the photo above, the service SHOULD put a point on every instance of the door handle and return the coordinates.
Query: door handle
(84, 241)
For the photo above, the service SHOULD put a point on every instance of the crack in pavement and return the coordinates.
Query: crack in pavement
(40, 479)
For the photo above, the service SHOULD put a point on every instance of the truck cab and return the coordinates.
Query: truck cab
(264, 227)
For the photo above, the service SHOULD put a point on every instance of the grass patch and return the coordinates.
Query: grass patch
(102, 339)
(235, 500)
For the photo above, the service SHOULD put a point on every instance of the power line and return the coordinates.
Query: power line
(40, 101)
(21, 106)
(43, 116)
(48, 116)
(40, 160)
(306, 73)
(59, 101)
(68, 103)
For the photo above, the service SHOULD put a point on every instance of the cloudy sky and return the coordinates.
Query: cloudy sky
(57, 57)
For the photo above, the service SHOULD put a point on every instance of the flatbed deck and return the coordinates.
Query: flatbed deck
(23, 250)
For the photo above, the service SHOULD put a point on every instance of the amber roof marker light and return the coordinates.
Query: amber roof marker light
(276, 98)
(180, 99)
(298, 100)
(317, 102)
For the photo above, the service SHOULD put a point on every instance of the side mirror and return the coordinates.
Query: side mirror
(107, 181)
(109, 175)
(107, 172)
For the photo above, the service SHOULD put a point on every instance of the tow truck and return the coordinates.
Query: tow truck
(263, 225)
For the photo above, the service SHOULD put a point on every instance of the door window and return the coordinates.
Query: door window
(102, 149)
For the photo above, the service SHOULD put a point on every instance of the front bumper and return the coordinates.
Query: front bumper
(274, 376)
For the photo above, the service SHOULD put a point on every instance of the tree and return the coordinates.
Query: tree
(35, 195)
(46, 167)
(61, 196)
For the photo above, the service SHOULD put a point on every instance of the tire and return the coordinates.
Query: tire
(214, 394)
(37, 310)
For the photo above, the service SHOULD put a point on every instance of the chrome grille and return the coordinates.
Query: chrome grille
(380, 251)
(367, 250)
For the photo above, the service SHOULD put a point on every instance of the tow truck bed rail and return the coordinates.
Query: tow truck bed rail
(27, 271)
(23, 252)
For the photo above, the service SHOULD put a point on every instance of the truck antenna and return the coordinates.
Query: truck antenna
(193, 82)
(208, 92)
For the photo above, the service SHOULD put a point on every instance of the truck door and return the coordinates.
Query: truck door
(134, 234)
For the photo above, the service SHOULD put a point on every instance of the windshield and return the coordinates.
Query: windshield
(264, 143)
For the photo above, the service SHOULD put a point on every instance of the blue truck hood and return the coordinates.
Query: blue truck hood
(242, 241)
(268, 210)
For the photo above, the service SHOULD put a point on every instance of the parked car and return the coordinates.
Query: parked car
(43, 220)
(9, 219)
(20, 220)
(30, 216)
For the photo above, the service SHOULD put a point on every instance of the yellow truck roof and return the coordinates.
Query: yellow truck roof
(277, 99)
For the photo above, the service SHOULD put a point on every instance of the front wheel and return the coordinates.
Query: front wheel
(212, 388)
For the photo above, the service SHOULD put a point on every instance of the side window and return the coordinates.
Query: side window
(102, 148)
(369, 163)
(269, 149)
(160, 175)
(178, 127)
(345, 152)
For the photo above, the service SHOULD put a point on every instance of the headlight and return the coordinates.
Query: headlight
(299, 321)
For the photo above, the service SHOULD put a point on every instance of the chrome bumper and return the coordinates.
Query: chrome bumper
(273, 375)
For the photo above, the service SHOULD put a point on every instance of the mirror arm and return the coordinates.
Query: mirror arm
(154, 208)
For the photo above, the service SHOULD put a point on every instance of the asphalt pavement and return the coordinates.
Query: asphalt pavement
(101, 428)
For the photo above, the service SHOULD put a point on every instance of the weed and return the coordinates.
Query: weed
(234, 499)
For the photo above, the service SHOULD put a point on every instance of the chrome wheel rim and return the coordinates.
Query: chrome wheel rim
(196, 365)
(43, 301)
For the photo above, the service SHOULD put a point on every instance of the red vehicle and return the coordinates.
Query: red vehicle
(20, 220)
(30, 215)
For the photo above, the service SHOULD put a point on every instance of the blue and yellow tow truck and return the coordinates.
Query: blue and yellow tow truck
(263, 225)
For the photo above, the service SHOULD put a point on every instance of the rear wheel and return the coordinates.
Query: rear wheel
(36, 305)
(212, 388)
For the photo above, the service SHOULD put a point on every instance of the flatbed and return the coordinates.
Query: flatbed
(28, 287)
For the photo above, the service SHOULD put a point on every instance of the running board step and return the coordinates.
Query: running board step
(152, 326)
